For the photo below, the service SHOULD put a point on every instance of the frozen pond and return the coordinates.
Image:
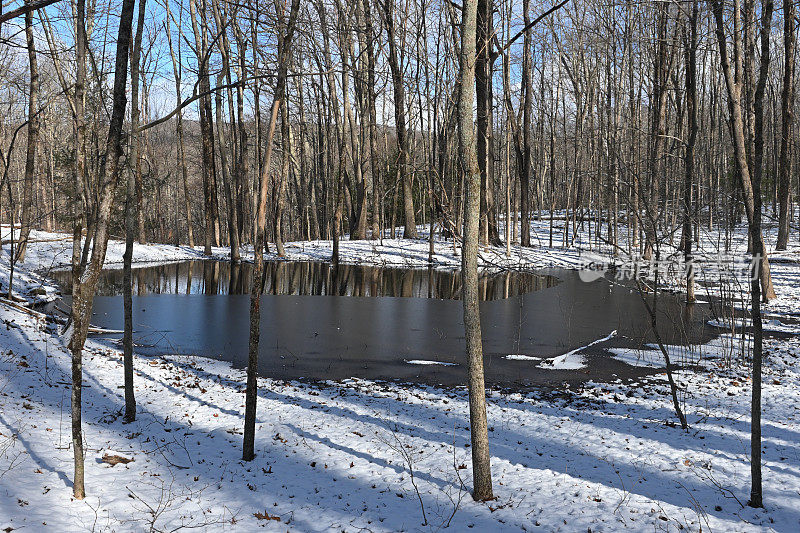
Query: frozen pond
(380, 323)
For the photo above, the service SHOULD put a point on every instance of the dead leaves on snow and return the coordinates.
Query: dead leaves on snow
(266, 516)
(113, 459)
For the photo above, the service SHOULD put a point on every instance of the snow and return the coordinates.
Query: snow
(360, 455)
(636, 357)
(569, 361)
(651, 357)
(427, 362)
(573, 360)
(773, 326)
(521, 357)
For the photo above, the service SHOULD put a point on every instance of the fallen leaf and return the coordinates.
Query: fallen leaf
(115, 459)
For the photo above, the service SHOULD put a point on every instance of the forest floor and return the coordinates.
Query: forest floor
(374, 456)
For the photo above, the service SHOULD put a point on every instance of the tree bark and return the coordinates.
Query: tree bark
(228, 175)
(658, 123)
(787, 122)
(733, 85)
(371, 118)
(132, 212)
(752, 196)
(84, 290)
(527, 115)
(759, 258)
(181, 151)
(206, 129)
(691, 108)
(257, 286)
(77, 227)
(481, 468)
(410, 231)
(483, 90)
(33, 139)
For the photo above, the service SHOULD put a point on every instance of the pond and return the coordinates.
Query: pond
(306, 278)
(386, 323)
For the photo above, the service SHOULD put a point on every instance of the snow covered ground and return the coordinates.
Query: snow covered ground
(372, 456)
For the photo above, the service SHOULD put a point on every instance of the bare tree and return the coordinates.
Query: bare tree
(481, 468)
(85, 284)
(787, 121)
(735, 86)
(228, 175)
(527, 112)
(33, 138)
(202, 51)
(286, 28)
(177, 69)
(410, 231)
(751, 185)
(133, 212)
(691, 111)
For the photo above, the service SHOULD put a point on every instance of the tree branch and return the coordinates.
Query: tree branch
(22, 10)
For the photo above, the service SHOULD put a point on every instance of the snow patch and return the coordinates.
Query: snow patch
(774, 325)
(572, 360)
(521, 357)
(428, 362)
(637, 357)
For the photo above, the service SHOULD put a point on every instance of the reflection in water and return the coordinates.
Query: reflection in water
(314, 278)
(336, 338)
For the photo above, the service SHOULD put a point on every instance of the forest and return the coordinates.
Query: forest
(399, 265)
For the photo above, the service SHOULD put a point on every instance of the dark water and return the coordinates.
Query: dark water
(304, 335)
(304, 278)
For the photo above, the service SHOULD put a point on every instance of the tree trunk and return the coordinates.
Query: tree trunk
(77, 223)
(481, 468)
(734, 89)
(33, 140)
(132, 207)
(243, 186)
(787, 121)
(410, 231)
(371, 118)
(282, 175)
(691, 107)
(206, 130)
(759, 257)
(228, 176)
(752, 197)
(658, 124)
(257, 286)
(86, 284)
(180, 149)
(527, 114)
(483, 90)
